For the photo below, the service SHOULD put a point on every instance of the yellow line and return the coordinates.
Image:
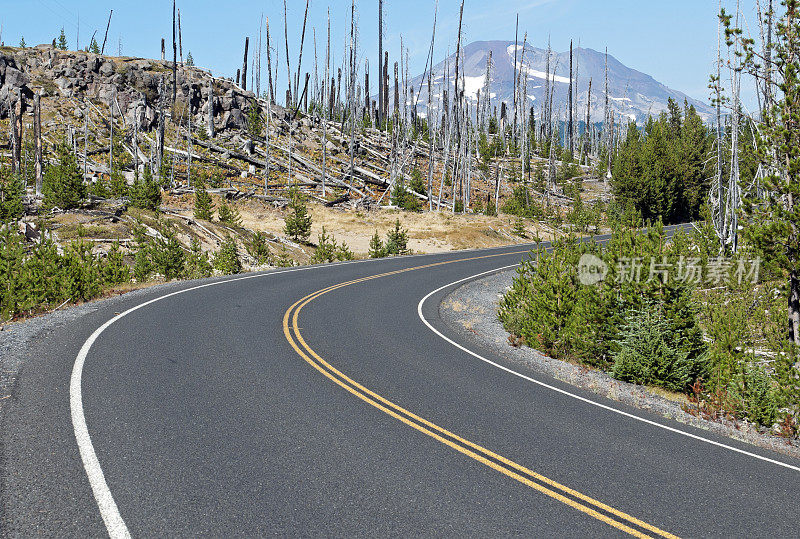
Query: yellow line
(395, 411)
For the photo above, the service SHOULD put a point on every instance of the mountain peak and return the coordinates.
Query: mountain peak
(633, 95)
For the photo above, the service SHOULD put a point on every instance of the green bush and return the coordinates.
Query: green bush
(522, 204)
(329, 251)
(650, 354)
(145, 193)
(548, 307)
(167, 255)
(229, 215)
(226, 260)
(197, 264)
(397, 240)
(80, 278)
(114, 269)
(62, 185)
(404, 199)
(12, 190)
(376, 247)
(297, 221)
(203, 206)
(258, 248)
(755, 392)
(417, 183)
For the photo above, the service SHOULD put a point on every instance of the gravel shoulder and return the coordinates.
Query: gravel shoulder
(471, 312)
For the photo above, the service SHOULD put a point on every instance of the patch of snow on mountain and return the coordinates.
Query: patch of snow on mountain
(513, 48)
(536, 74)
(472, 85)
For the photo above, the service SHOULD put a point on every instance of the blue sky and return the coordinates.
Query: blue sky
(673, 41)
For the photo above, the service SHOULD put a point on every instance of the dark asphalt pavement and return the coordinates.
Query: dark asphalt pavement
(206, 421)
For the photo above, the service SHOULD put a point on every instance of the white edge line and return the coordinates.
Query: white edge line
(115, 525)
(573, 395)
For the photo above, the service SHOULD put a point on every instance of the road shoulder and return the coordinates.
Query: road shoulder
(471, 312)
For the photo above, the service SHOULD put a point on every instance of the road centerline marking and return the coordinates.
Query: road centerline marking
(474, 451)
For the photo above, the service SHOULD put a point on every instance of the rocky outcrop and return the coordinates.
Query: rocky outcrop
(136, 82)
(12, 79)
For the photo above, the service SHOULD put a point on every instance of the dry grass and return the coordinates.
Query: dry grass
(427, 232)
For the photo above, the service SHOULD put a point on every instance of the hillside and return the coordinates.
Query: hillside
(86, 97)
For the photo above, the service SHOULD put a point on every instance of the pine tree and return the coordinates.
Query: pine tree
(226, 260)
(94, 48)
(115, 271)
(376, 247)
(203, 205)
(142, 266)
(189, 59)
(22, 44)
(63, 185)
(258, 248)
(12, 190)
(80, 274)
(167, 255)
(397, 240)
(197, 264)
(229, 215)
(297, 221)
(62, 40)
(255, 121)
(12, 253)
(326, 249)
(145, 192)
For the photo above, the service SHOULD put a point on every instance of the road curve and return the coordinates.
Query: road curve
(318, 402)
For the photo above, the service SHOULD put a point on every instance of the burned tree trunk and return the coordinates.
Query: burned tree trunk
(366, 87)
(288, 67)
(381, 66)
(571, 146)
(385, 111)
(300, 58)
(18, 127)
(37, 134)
(244, 64)
(210, 126)
(396, 94)
(163, 50)
(180, 37)
(174, 58)
(103, 50)
(161, 126)
(269, 67)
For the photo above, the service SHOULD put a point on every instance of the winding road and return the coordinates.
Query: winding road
(332, 400)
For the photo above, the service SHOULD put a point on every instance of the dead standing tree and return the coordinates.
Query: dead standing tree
(174, 57)
(300, 58)
(289, 101)
(37, 134)
(381, 67)
(103, 49)
(244, 64)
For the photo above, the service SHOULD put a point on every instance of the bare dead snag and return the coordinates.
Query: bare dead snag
(103, 49)
(244, 64)
(37, 134)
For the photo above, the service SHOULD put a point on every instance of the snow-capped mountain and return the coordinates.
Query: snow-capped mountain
(632, 94)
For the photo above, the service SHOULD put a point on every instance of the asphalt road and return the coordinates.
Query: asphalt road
(235, 409)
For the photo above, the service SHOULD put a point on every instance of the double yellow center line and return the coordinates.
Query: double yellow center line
(549, 487)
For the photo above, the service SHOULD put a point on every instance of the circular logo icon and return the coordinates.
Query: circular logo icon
(591, 270)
